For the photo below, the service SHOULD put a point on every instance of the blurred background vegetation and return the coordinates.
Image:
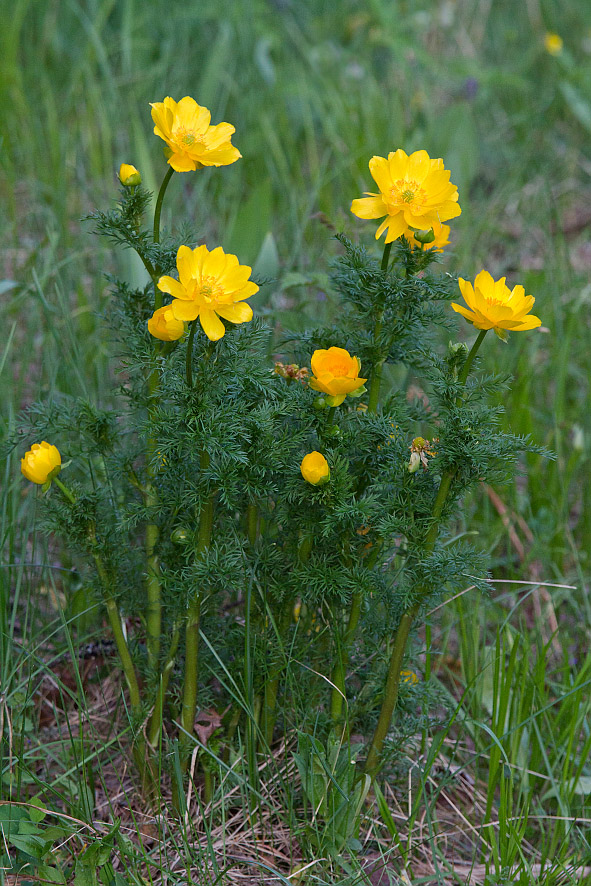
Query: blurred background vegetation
(314, 88)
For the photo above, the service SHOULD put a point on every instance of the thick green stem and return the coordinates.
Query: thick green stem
(252, 516)
(402, 633)
(155, 724)
(390, 692)
(189, 705)
(159, 201)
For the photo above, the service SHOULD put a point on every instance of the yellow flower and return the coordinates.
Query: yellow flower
(210, 283)
(415, 192)
(553, 43)
(129, 176)
(494, 306)
(164, 325)
(315, 469)
(192, 142)
(40, 462)
(336, 373)
(440, 240)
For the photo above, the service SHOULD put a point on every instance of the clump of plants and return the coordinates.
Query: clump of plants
(257, 520)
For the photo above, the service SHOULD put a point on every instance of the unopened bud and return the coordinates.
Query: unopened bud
(129, 176)
(181, 536)
(424, 236)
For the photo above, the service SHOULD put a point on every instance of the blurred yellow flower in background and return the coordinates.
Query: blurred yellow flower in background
(192, 142)
(415, 192)
(165, 326)
(315, 469)
(40, 461)
(494, 306)
(409, 677)
(336, 373)
(210, 285)
(553, 43)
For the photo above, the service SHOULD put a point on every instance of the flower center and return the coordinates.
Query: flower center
(338, 368)
(209, 290)
(186, 137)
(406, 191)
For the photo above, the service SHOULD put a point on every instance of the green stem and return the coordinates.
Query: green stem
(112, 608)
(155, 724)
(189, 354)
(157, 213)
(153, 590)
(390, 692)
(189, 705)
(340, 671)
(67, 494)
(403, 631)
(272, 684)
(252, 515)
(376, 376)
(115, 622)
(159, 201)
(470, 358)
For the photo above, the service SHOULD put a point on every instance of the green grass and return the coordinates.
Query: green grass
(315, 89)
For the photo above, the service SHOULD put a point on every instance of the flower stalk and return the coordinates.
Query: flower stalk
(402, 633)
(376, 376)
(189, 704)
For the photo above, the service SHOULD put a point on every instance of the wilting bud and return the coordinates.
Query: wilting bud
(419, 450)
(41, 463)
(291, 371)
(414, 463)
(315, 469)
(129, 176)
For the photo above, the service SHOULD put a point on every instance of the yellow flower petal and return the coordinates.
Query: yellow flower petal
(211, 324)
(238, 313)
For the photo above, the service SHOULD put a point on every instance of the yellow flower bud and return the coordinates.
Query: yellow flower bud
(165, 326)
(553, 43)
(129, 176)
(315, 469)
(41, 463)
